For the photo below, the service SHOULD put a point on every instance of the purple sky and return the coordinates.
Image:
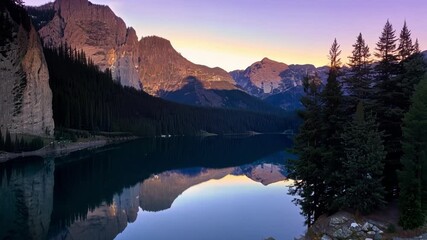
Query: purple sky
(233, 34)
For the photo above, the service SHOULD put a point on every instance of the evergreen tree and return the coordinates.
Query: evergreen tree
(333, 119)
(359, 81)
(363, 164)
(309, 169)
(413, 177)
(417, 46)
(388, 93)
(1, 141)
(413, 70)
(8, 142)
(405, 48)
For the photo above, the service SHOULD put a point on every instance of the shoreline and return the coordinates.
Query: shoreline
(58, 149)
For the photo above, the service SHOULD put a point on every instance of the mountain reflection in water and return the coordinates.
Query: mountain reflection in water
(96, 194)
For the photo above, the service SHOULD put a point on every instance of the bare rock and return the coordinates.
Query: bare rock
(25, 95)
(97, 31)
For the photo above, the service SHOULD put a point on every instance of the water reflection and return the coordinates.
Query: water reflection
(95, 195)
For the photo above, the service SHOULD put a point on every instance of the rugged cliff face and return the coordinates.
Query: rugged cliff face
(97, 31)
(25, 95)
(163, 69)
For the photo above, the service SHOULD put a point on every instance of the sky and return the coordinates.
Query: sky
(233, 34)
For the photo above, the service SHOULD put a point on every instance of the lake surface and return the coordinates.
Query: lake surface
(173, 188)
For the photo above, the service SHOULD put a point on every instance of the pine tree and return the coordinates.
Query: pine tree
(413, 177)
(359, 81)
(8, 142)
(405, 48)
(387, 104)
(333, 119)
(417, 46)
(309, 169)
(1, 141)
(363, 164)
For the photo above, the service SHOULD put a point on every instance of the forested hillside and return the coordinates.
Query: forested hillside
(86, 98)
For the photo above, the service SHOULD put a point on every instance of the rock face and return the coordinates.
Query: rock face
(97, 31)
(151, 64)
(276, 83)
(25, 95)
(268, 77)
(163, 69)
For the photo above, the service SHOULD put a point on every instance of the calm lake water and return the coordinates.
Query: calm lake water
(175, 188)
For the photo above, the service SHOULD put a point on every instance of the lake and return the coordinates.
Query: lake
(154, 188)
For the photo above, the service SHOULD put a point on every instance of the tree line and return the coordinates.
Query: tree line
(16, 145)
(361, 143)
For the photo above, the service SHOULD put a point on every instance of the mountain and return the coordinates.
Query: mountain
(274, 82)
(25, 94)
(150, 64)
(86, 98)
(97, 31)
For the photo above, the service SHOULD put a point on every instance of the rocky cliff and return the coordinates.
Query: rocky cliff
(25, 95)
(163, 69)
(277, 83)
(97, 31)
(151, 64)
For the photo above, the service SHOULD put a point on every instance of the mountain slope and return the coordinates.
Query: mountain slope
(277, 84)
(151, 64)
(97, 31)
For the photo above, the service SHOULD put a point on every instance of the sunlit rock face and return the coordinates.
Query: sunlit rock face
(163, 69)
(97, 31)
(26, 199)
(151, 63)
(105, 221)
(25, 95)
(268, 77)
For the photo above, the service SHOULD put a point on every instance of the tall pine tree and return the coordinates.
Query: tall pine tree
(413, 177)
(1, 141)
(362, 189)
(309, 169)
(388, 105)
(360, 77)
(405, 48)
(333, 119)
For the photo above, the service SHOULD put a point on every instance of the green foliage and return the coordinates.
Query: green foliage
(388, 104)
(309, 168)
(413, 177)
(363, 164)
(360, 76)
(333, 118)
(406, 49)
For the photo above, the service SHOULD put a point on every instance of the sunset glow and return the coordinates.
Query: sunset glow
(234, 34)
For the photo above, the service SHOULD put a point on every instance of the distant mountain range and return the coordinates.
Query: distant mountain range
(153, 65)
(150, 64)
